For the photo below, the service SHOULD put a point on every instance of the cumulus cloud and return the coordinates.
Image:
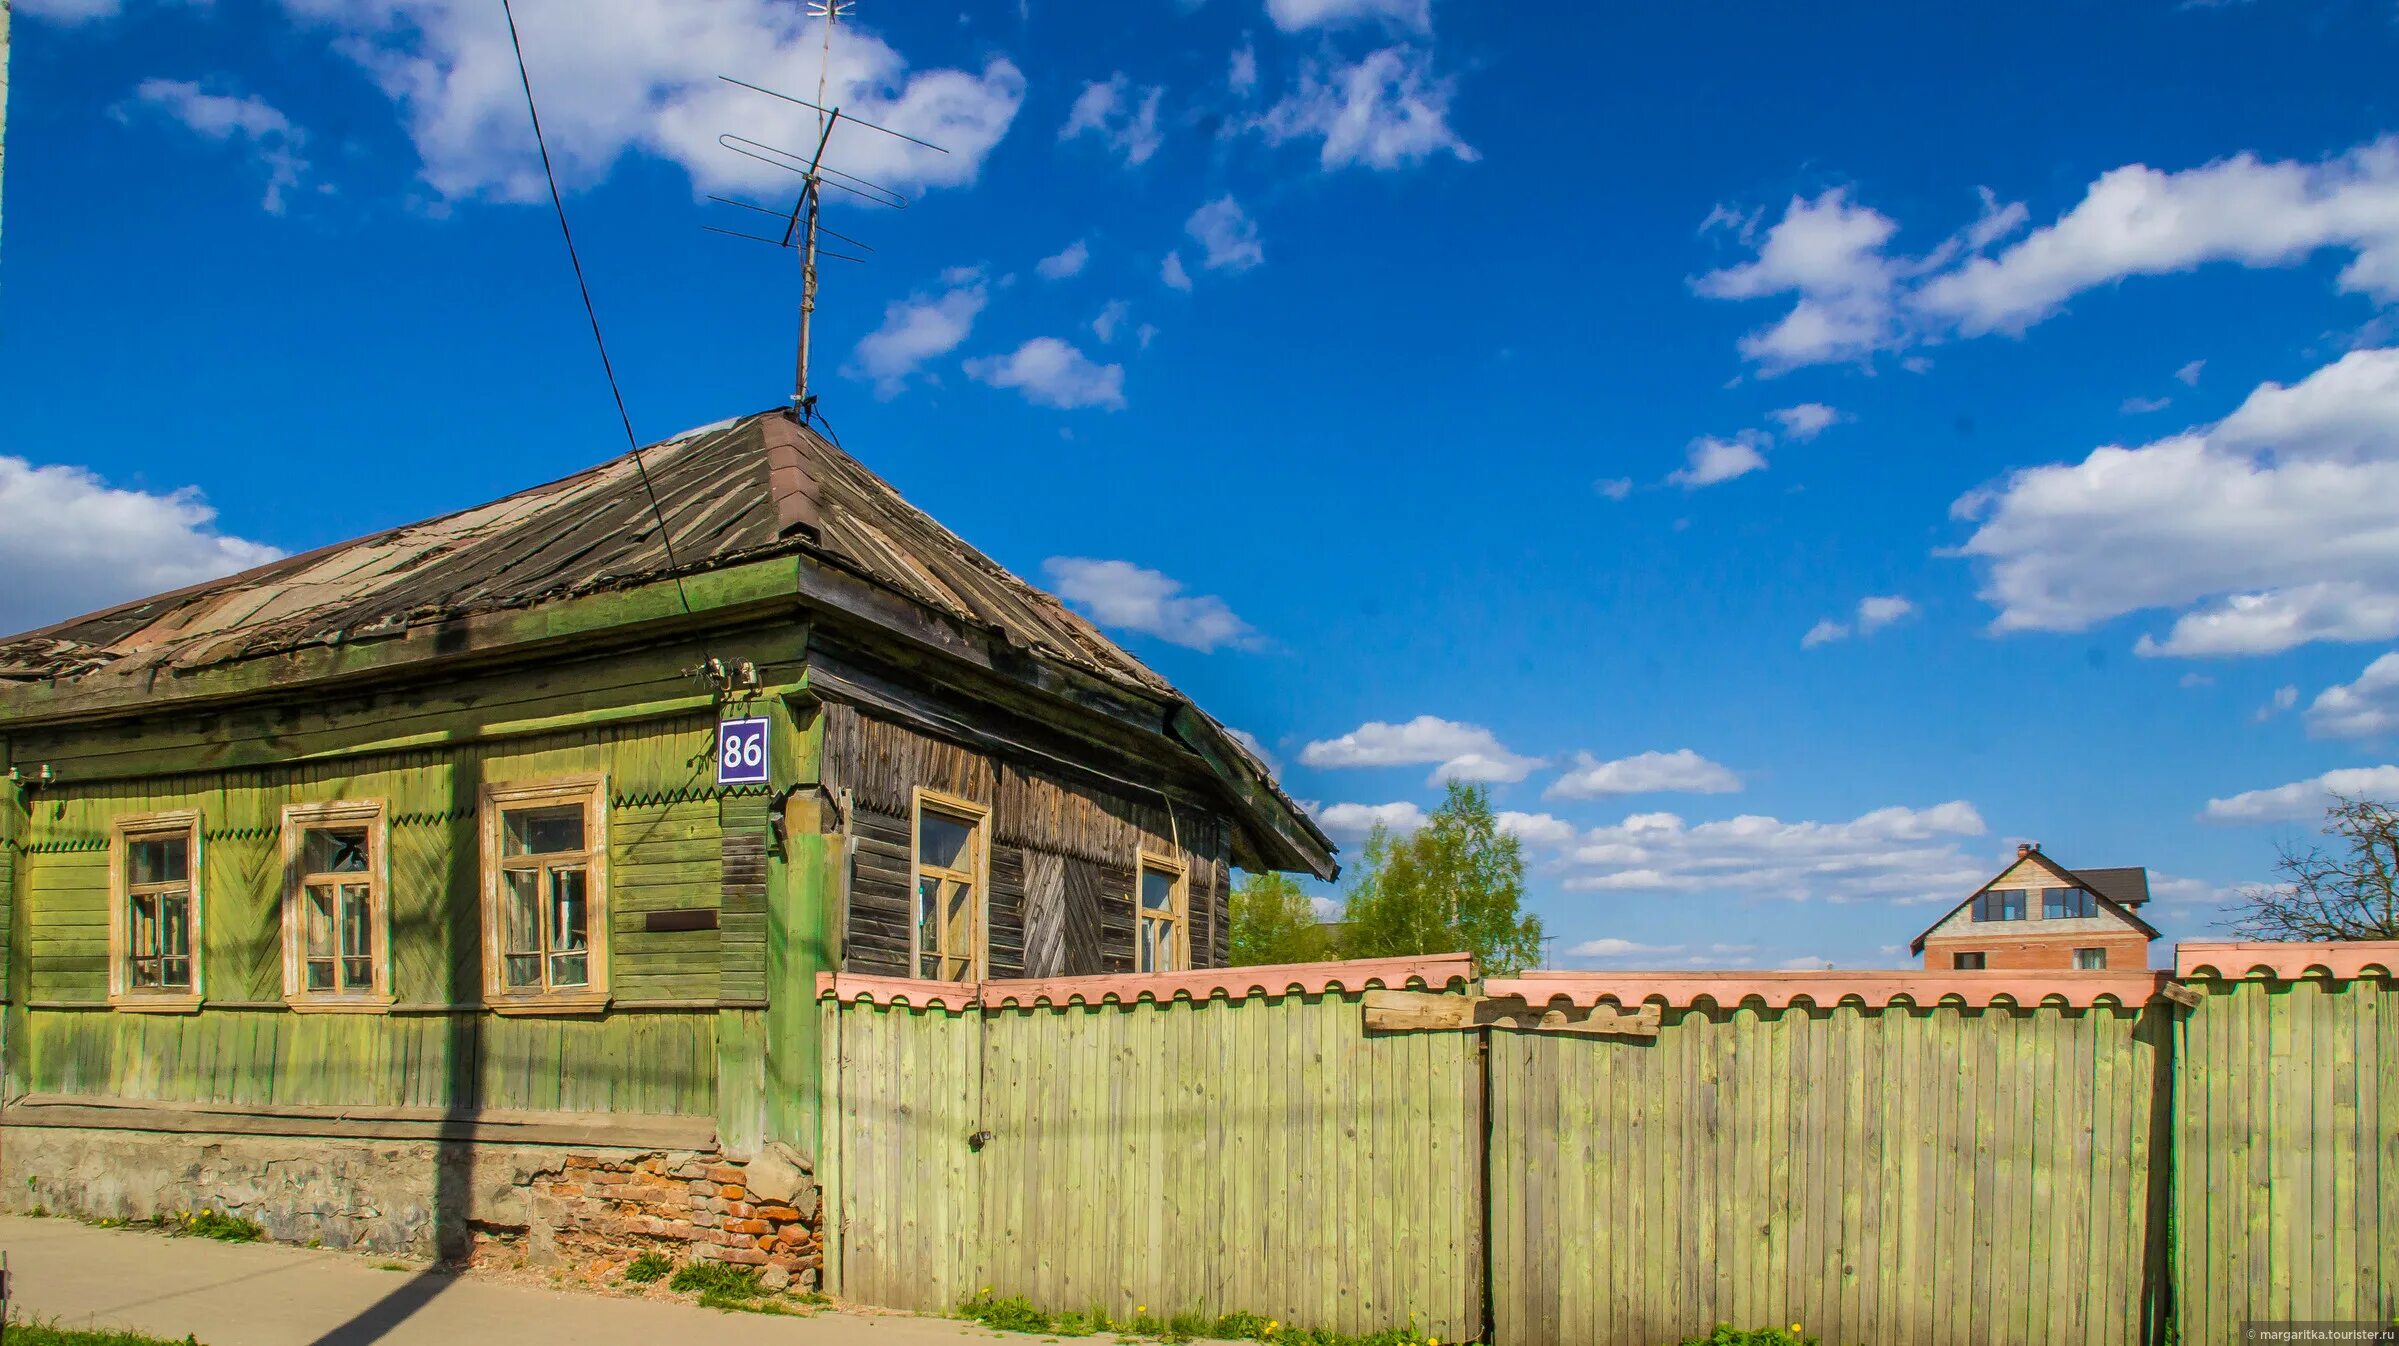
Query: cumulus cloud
(1853, 295)
(1111, 318)
(1351, 822)
(2142, 406)
(1536, 829)
(1227, 236)
(620, 77)
(226, 118)
(1241, 74)
(2304, 800)
(1385, 112)
(2264, 531)
(922, 327)
(1614, 488)
(1172, 273)
(1123, 118)
(1900, 855)
(70, 543)
(2189, 374)
(1052, 373)
(1807, 420)
(1294, 15)
(1067, 261)
(2366, 708)
(1681, 771)
(1874, 612)
(1127, 597)
(1713, 460)
(1459, 751)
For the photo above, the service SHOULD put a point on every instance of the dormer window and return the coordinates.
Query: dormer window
(1999, 904)
(2064, 904)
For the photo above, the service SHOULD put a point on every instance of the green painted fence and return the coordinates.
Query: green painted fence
(1260, 1153)
(2287, 1148)
(1922, 1176)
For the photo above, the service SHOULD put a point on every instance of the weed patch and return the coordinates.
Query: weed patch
(1015, 1313)
(28, 1332)
(649, 1267)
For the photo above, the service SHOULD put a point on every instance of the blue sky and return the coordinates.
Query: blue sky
(1790, 452)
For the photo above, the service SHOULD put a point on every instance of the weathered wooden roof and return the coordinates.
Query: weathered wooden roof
(591, 532)
(594, 532)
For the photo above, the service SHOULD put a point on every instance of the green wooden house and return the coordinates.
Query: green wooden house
(389, 894)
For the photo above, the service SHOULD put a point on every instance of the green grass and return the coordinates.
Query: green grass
(1014, 1313)
(1728, 1335)
(721, 1279)
(393, 1266)
(24, 1332)
(649, 1267)
(209, 1224)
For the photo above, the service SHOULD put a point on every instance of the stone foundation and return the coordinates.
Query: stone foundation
(576, 1208)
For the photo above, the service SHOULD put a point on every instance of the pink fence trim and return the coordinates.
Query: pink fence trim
(2234, 959)
(1877, 990)
(1434, 972)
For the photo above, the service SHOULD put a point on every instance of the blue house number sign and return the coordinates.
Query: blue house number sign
(741, 752)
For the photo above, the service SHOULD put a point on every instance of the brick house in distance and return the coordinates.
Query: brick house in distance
(2038, 915)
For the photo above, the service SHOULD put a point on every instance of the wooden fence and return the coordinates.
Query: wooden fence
(1880, 1157)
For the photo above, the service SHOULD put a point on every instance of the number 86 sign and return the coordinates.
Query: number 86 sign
(741, 752)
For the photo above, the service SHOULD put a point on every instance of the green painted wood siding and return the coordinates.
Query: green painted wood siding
(1263, 1154)
(2287, 1156)
(1920, 1176)
(652, 1064)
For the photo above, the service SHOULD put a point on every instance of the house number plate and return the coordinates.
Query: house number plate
(741, 752)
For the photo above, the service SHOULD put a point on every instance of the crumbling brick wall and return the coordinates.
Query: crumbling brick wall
(760, 1214)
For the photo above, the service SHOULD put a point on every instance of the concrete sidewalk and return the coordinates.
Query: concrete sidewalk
(272, 1295)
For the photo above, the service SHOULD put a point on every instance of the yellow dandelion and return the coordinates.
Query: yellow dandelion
(1795, 1328)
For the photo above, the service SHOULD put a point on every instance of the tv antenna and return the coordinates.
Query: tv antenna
(802, 227)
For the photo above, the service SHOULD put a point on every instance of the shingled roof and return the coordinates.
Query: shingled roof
(589, 533)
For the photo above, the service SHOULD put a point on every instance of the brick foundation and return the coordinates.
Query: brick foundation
(696, 1208)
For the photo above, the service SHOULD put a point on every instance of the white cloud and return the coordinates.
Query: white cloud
(1109, 320)
(70, 543)
(1612, 947)
(621, 76)
(1069, 261)
(2138, 221)
(1899, 855)
(1051, 373)
(70, 11)
(1614, 488)
(1682, 771)
(1171, 271)
(919, 328)
(1874, 612)
(1714, 459)
(1853, 296)
(1294, 15)
(2142, 406)
(2267, 530)
(2173, 891)
(2189, 680)
(1536, 829)
(2305, 800)
(2189, 374)
(1824, 632)
(257, 126)
(1807, 420)
(1257, 748)
(1128, 597)
(1228, 237)
(1387, 111)
(1460, 751)
(1351, 822)
(1241, 76)
(1119, 116)
(2366, 708)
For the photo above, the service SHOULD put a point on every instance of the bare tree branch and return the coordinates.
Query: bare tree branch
(2349, 891)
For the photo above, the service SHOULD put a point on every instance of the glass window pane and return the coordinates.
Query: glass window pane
(944, 842)
(333, 850)
(320, 974)
(358, 931)
(141, 926)
(175, 924)
(158, 859)
(542, 831)
(175, 974)
(570, 910)
(570, 969)
(957, 940)
(520, 915)
(316, 922)
(928, 927)
(358, 974)
(1157, 890)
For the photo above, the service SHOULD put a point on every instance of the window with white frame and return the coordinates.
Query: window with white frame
(1158, 914)
(335, 920)
(154, 911)
(947, 866)
(545, 850)
(2090, 960)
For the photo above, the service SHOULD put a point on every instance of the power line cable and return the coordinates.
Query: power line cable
(608, 367)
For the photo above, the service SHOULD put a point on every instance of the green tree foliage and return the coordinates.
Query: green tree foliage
(1273, 923)
(1457, 883)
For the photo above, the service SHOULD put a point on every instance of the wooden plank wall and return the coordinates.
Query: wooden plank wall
(1263, 1154)
(1922, 1176)
(2287, 1156)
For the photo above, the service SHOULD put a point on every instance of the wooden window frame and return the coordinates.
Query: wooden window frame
(978, 933)
(1179, 911)
(122, 830)
(591, 792)
(298, 821)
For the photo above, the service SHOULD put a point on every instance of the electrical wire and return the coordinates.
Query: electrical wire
(607, 367)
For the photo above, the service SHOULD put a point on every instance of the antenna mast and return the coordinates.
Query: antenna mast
(802, 227)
